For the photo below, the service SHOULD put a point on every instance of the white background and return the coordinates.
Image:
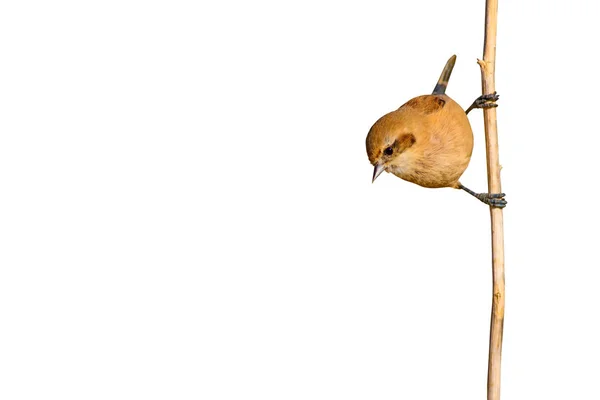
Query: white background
(187, 209)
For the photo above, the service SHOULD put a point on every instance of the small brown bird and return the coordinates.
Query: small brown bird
(429, 141)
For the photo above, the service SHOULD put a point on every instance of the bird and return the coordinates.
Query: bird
(429, 141)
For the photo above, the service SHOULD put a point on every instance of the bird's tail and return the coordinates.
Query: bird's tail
(442, 83)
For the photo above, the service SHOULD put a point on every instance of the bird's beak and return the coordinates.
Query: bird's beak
(378, 170)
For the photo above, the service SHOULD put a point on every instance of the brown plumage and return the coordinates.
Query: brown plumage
(427, 141)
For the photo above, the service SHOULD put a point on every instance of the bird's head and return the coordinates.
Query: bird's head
(388, 141)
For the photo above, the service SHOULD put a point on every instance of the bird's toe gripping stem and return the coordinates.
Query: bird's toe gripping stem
(485, 101)
(492, 199)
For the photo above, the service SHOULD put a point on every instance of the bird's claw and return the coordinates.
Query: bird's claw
(487, 100)
(493, 199)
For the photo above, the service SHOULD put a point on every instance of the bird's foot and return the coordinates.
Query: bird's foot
(492, 199)
(485, 101)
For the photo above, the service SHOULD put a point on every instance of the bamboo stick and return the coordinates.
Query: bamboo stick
(488, 66)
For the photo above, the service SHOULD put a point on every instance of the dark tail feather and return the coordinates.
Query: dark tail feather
(442, 83)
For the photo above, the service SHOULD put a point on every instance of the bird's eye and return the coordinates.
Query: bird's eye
(388, 151)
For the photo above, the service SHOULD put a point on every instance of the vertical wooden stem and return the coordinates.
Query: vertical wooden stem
(488, 66)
